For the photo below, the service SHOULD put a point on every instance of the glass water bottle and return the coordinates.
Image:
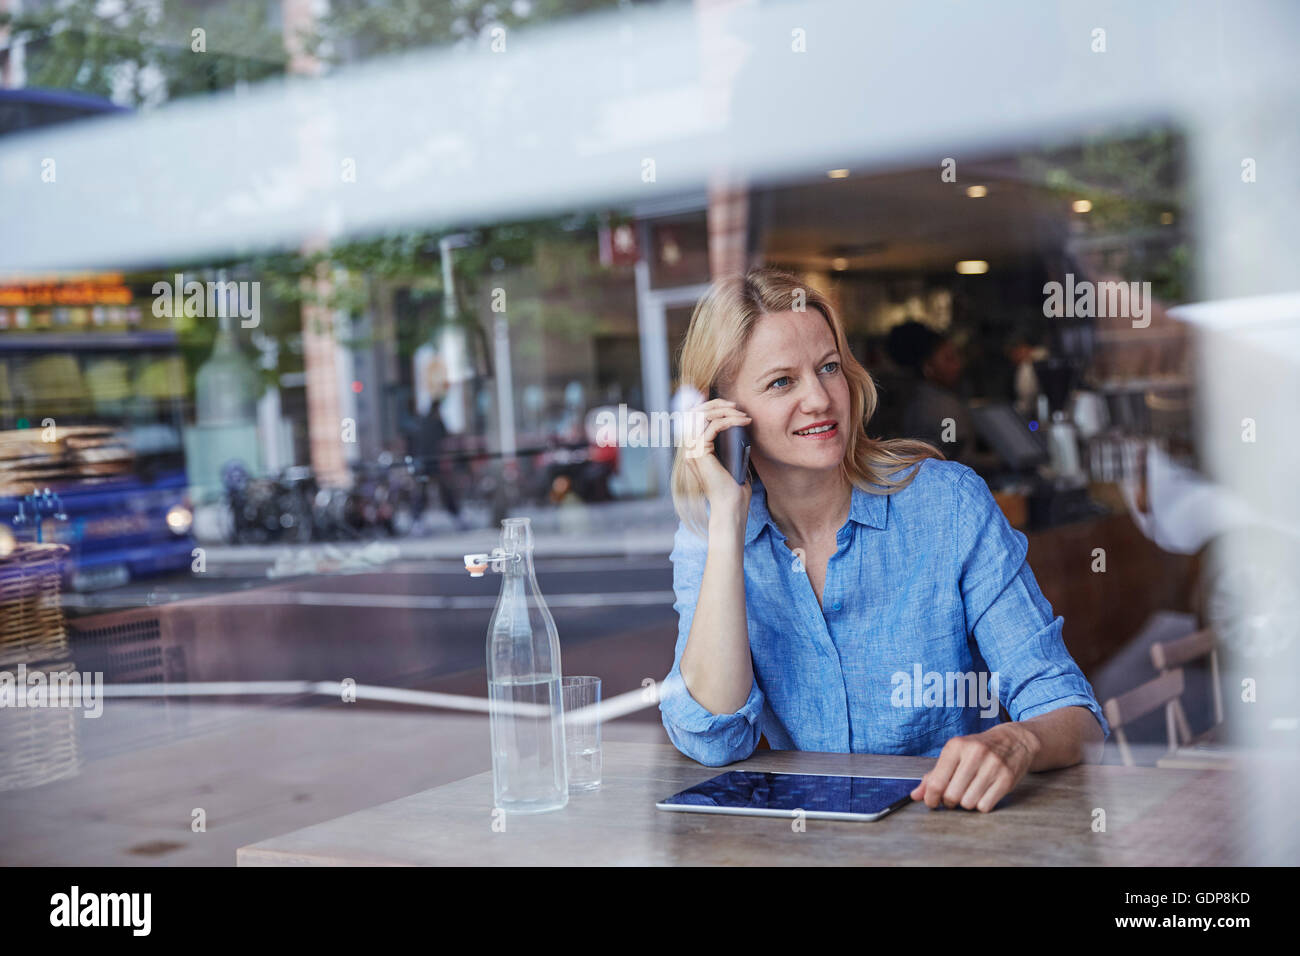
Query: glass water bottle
(523, 666)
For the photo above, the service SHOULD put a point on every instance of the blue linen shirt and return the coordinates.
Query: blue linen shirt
(926, 583)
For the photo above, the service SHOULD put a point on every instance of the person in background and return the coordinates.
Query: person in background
(893, 388)
(1022, 355)
(572, 517)
(934, 413)
(426, 445)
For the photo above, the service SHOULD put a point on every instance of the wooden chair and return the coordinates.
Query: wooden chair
(1168, 656)
(1140, 701)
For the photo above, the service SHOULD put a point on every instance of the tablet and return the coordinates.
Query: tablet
(819, 796)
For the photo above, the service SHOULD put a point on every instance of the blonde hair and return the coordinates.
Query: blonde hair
(721, 326)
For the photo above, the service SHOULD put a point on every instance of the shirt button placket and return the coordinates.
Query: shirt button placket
(842, 539)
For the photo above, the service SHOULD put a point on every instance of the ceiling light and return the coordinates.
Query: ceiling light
(977, 192)
(1082, 205)
(837, 173)
(972, 267)
(839, 264)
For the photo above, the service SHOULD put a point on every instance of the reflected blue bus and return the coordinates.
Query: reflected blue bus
(95, 418)
(93, 396)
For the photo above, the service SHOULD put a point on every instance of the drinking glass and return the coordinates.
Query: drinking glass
(582, 731)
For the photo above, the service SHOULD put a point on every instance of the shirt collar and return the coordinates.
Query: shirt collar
(866, 509)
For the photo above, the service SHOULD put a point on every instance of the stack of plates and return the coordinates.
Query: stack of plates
(28, 461)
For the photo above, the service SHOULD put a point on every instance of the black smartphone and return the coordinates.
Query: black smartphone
(732, 448)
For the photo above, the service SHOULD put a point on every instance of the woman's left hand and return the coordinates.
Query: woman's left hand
(978, 770)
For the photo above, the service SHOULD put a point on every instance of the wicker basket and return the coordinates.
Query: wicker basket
(37, 744)
(31, 619)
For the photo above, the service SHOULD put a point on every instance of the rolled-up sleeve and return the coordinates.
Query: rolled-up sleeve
(1013, 624)
(711, 739)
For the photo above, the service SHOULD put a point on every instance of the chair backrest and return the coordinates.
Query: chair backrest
(1167, 655)
(1140, 701)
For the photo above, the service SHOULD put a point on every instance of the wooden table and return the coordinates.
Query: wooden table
(1189, 758)
(1152, 818)
(1211, 750)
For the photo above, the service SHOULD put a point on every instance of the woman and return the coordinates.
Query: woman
(830, 602)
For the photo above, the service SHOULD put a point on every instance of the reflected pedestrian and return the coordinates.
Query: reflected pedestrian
(426, 448)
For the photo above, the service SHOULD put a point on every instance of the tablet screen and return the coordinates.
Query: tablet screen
(785, 792)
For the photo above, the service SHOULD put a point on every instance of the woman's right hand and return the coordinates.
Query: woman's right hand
(704, 423)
